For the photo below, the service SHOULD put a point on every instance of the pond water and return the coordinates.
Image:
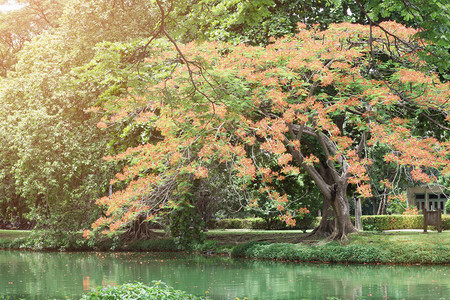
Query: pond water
(42, 275)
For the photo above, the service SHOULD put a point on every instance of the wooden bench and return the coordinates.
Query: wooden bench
(433, 217)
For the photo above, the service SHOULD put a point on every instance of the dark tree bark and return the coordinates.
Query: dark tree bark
(327, 223)
(383, 203)
(139, 230)
(331, 181)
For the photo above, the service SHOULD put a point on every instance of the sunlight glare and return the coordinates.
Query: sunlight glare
(10, 6)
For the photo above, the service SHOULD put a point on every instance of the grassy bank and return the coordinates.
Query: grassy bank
(380, 248)
(13, 234)
(13, 238)
(400, 247)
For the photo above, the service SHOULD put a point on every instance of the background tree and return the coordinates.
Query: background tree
(52, 147)
(21, 25)
(255, 22)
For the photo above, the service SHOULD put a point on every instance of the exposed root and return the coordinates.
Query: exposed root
(140, 233)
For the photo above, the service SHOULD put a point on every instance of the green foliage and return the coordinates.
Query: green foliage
(163, 245)
(304, 222)
(351, 253)
(447, 207)
(395, 206)
(434, 19)
(244, 250)
(135, 291)
(63, 241)
(19, 26)
(390, 222)
(427, 253)
(249, 223)
(331, 252)
(55, 240)
(8, 297)
(50, 149)
(186, 226)
(274, 251)
(445, 222)
(254, 22)
(12, 243)
(205, 246)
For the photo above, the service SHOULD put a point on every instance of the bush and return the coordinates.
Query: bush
(423, 254)
(331, 252)
(250, 223)
(390, 222)
(281, 251)
(446, 221)
(243, 250)
(12, 244)
(352, 253)
(206, 246)
(186, 226)
(303, 223)
(138, 291)
(55, 240)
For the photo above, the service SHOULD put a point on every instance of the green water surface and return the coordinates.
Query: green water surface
(43, 275)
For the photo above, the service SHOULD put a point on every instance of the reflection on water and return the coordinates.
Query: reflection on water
(36, 275)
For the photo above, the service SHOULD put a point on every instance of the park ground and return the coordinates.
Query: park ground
(241, 236)
(388, 247)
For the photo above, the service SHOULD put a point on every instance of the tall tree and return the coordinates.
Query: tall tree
(20, 25)
(51, 148)
(310, 100)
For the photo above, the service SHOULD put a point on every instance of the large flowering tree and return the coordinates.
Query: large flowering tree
(316, 102)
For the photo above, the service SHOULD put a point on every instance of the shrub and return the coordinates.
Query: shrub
(351, 253)
(250, 223)
(303, 223)
(389, 222)
(186, 226)
(412, 254)
(206, 246)
(282, 251)
(12, 244)
(138, 291)
(243, 250)
(331, 252)
(56, 240)
(362, 254)
(446, 221)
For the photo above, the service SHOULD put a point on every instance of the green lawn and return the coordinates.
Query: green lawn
(13, 234)
(402, 238)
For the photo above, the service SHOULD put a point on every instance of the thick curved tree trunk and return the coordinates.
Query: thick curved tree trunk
(331, 180)
(341, 208)
(326, 225)
(336, 222)
(139, 230)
